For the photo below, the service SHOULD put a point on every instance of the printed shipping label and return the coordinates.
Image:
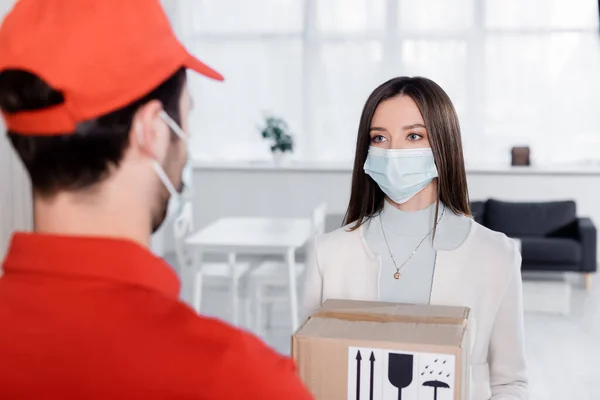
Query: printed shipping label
(379, 374)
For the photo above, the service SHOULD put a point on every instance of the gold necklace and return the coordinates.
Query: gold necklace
(397, 274)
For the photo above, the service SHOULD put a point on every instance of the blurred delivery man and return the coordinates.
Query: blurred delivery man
(94, 97)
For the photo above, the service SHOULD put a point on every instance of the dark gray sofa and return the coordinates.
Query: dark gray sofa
(553, 237)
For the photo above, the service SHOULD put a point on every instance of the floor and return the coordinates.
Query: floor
(563, 349)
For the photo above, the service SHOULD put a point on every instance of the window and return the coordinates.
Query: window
(518, 72)
(350, 16)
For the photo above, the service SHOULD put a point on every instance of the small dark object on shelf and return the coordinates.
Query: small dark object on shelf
(520, 156)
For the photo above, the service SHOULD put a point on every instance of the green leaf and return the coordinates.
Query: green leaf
(276, 130)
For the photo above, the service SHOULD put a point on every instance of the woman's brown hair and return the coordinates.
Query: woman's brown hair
(443, 130)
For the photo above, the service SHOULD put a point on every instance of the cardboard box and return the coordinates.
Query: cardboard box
(362, 350)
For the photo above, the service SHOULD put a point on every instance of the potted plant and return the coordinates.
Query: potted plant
(277, 132)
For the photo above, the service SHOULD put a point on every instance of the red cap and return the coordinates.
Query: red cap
(101, 54)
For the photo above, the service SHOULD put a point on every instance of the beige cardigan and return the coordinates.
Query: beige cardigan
(483, 274)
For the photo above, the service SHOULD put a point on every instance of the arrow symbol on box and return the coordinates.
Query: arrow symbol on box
(372, 359)
(358, 360)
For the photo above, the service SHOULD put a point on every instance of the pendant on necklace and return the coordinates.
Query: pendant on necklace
(397, 275)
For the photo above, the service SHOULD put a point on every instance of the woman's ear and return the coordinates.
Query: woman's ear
(147, 134)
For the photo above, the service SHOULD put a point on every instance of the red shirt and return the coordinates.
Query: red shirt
(94, 318)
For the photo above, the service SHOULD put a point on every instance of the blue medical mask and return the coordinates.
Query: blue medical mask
(401, 173)
(178, 199)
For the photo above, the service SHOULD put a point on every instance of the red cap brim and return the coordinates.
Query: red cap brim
(196, 65)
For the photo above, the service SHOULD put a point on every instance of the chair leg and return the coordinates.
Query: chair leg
(258, 307)
(251, 304)
(269, 313)
(588, 281)
(234, 290)
(246, 299)
(290, 259)
(196, 280)
(197, 294)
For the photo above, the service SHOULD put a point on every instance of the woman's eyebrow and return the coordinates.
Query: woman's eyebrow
(413, 126)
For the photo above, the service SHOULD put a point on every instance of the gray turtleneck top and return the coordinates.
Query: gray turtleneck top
(404, 230)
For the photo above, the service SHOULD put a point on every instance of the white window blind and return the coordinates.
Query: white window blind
(519, 73)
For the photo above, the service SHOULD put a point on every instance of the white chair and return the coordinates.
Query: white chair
(268, 283)
(223, 275)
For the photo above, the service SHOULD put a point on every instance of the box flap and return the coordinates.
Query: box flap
(374, 311)
(388, 322)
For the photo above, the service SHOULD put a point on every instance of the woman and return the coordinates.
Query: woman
(409, 236)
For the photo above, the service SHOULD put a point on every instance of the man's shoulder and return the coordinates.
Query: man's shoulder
(183, 327)
(233, 360)
(229, 346)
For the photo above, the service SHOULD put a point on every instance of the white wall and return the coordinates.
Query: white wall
(246, 190)
(15, 195)
(15, 190)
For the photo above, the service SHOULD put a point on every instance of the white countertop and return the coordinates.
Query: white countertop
(346, 167)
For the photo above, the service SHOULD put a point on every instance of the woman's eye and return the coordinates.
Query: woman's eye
(414, 136)
(378, 139)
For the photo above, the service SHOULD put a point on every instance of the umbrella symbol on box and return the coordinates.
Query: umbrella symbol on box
(436, 385)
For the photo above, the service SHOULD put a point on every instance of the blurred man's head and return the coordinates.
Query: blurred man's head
(95, 100)
(109, 158)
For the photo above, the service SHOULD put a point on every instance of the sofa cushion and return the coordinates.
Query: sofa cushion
(478, 211)
(549, 267)
(550, 250)
(529, 219)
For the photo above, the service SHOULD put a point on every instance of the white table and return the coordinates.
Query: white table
(258, 236)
